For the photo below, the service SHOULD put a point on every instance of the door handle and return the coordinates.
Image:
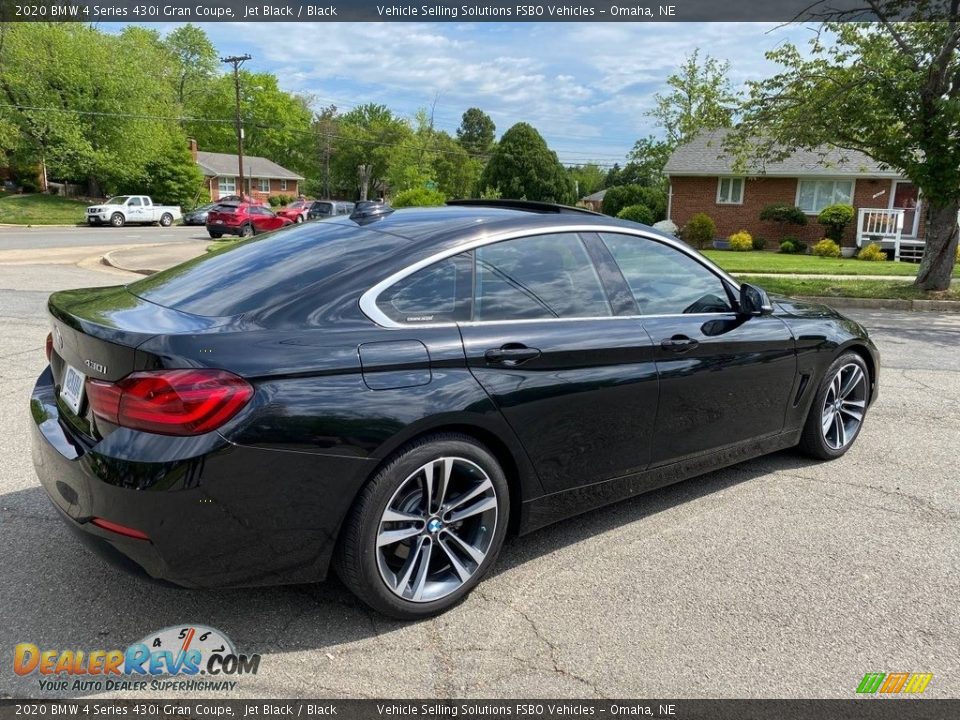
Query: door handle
(511, 354)
(679, 344)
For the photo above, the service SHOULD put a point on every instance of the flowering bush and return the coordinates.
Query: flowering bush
(872, 253)
(826, 248)
(741, 241)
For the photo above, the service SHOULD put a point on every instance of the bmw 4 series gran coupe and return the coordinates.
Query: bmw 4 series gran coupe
(390, 393)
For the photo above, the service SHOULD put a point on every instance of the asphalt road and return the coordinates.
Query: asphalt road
(775, 578)
(39, 237)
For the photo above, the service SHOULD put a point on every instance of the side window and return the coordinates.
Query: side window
(542, 276)
(437, 293)
(665, 281)
(134, 202)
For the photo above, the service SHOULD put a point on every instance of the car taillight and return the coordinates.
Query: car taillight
(170, 402)
(49, 346)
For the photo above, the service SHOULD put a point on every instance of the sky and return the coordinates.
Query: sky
(585, 86)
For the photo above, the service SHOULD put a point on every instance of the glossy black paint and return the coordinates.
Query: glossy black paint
(579, 412)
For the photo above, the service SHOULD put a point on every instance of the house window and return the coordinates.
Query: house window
(814, 195)
(227, 185)
(263, 185)
(283, 184)
(730, 191)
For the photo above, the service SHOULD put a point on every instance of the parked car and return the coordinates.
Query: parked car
(262, 202)
(125, 209)
(243, 219)
(198, 216)
(296, 211)
(392, 391)
(320, 209)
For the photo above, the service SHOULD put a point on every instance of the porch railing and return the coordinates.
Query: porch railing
(875, 224)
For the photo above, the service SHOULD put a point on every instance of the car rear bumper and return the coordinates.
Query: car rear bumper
(224, 229)
(216, 514)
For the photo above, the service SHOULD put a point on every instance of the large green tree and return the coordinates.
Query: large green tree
(371, 143)
(476, 132)
(700, 98)
(196, 61)
(888, 89)
(522, 166)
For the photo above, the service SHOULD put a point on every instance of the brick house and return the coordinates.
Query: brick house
(262, 178)
(702, 180)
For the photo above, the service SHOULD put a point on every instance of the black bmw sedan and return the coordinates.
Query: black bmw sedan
(390, 393)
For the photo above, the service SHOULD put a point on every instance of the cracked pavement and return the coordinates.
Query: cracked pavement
(779, 577)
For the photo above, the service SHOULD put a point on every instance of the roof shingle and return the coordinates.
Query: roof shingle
(225, 164)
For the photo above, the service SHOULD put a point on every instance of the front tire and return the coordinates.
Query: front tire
(247, 231)
(117, 220)
(166, 220)
(838, 410)
(299, 219)
(426, 528)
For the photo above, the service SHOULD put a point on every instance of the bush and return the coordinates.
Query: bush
(799, 246)
(872, 253)
(826, 248)
(623, 196)
(787, 247)
(741, 241)
(836, 218)
(783, 214)
(418, 197)
(637, 213)
(699, 230)
(759, 243)
(275, 201)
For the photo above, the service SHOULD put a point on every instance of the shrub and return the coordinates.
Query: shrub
(418, 197)
(759, 243)
(637, 213)
(872, 253)
(799, 246)
(623, 196)
(275, 201)
(699, 230)
(826, 248)
(787, 247)
(835, 219)
(741, 241)
(783, 214)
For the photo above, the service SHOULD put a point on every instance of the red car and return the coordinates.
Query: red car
(243, 219)
(295, 211)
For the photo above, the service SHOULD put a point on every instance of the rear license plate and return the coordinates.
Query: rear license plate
(72, 390)
(218, 222)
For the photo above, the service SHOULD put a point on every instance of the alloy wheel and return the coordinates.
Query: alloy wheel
(844, 406)
(437, 529)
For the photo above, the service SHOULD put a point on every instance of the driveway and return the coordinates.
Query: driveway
(779, 577)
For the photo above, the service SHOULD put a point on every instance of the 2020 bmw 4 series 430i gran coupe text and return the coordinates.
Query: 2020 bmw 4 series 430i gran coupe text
(392, 392)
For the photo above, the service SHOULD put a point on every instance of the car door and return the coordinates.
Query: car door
(135, 211)
(577, 383)
(264, 220)
(725, 377)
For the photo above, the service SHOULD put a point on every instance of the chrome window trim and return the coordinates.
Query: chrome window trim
(368, 301)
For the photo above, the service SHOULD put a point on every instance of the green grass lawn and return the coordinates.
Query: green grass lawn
(770, 262)
(41, 209)
(853, 288)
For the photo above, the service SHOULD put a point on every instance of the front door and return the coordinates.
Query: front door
(577, 384)
(906, 197)
(724, 377)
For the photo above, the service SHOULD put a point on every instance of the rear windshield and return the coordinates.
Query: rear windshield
(225, 208)
(263, 272)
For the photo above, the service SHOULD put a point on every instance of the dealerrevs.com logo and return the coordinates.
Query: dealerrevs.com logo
(894, 683)
(171, 659)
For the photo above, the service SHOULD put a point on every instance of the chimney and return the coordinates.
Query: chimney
(193, 148)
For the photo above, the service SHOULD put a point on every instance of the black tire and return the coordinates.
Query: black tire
(215, 235)
(357, 553)
(247, 231)
(299, 219)
(815, 440)
(166, 220)
(117, 220)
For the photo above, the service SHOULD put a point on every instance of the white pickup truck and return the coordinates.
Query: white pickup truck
(123, 209)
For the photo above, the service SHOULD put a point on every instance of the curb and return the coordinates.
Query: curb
(109, 261)
(886, 304)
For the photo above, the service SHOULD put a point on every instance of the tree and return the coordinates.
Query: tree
(647, 159)
(476, 132)
(587, 179)
(522, 166)
(371, 140)
(454, 170)
(701, 99)
(622, 196)
(888, 89)
(196, 58)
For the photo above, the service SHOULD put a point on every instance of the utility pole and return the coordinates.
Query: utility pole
(237, 61)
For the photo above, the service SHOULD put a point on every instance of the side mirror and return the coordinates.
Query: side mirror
(754, 300)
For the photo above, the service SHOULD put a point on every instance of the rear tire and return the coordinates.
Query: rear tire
(117, 220)
(215, 235)
(166, 220)
(409, 552)
(299, 219)
(247, 231)
(838, 409)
